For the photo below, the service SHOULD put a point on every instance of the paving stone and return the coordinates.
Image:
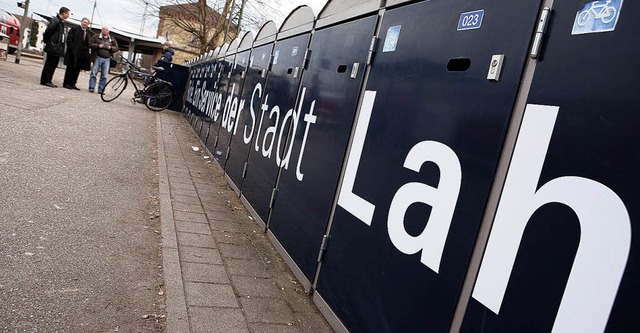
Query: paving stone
(313, 323)
(267, 310)
(217, 320)
(180, 179)
(196, 240)
(238, 251)
(196, 272)
(200, 255)
(177, 191)
(179, 186)
(274, 328)
(186, 199)
(192, 227)
(207, 294)
(177, 206)
(249, 268)
(229, 237)
(256, 287)
(215, 207)
(226, 226)
(190, 217)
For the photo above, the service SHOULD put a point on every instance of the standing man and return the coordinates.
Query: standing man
(77, 56)
(103, 46)
(54, 46)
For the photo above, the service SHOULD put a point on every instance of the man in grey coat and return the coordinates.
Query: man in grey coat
(103, 46)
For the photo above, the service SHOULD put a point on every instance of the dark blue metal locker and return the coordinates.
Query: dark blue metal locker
(225, 63)
(563, 254)
(280, 95)
(423, 158)
(324, 115)
(233, 105)
(255, 78)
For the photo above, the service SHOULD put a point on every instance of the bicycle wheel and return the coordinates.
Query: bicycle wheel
(114, 88)
(158, 96)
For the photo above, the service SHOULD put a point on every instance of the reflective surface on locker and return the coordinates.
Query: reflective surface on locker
(592, 80)
(225, 66)
(431, 90)
(308, 182)
(242, 141)
(279, 96)
(232, 106)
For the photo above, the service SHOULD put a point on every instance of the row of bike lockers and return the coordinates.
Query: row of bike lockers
(440, 166)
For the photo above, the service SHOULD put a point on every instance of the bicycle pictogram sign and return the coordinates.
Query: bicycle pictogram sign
(597, 16)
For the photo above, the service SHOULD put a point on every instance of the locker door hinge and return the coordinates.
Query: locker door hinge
(372, 50)
(323, 247)
(244, 171)
(228, 151)
(274, 195)
(270, 66)
(215, 143)
(541, 30)
(307, 58)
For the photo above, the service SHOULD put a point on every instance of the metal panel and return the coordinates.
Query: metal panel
(343, 10)
(299, 21)
(570, 262)
(246, 42)
(232, 107)
(420, 168)
(279, 95)
(242, 140)
(324, 117)
(267, 34)
(220, 94)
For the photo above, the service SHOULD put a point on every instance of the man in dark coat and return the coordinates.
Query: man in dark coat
(54, 46)
(167, 53)
(77, 56)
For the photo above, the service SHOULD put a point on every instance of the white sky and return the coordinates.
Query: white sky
(125, 14)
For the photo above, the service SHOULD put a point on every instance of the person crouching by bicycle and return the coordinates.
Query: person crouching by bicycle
(167, 54)
(102, 47)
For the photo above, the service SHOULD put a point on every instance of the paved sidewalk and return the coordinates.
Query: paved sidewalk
(221, 272)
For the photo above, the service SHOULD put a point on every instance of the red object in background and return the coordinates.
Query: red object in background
(10, 25)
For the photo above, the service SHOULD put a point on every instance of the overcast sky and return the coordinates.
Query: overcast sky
(125, 14)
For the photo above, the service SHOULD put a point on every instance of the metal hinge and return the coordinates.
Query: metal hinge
(274, 195)
(541, 29)
(244, 171)
(372, 50)
(216, 143)
(271, 58)
(228, 151)
(323, 247)
(307, 58)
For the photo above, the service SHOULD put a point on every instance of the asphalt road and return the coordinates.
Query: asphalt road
(79, 217)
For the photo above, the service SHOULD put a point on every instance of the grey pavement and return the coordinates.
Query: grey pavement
(203, 266)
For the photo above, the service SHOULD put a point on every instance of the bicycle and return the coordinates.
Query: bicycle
(156, 94)
(601, 11)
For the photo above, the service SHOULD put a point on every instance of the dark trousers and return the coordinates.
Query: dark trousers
(49, 67)
(71, 75)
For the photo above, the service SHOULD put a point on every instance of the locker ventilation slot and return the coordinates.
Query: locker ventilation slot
(290, 70)
(459, 65)
(342, 68)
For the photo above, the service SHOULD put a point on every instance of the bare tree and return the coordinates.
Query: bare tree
(207, 22)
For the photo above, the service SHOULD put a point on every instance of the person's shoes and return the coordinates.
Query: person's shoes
(49, 84)
(67, 86)
(75, 88)
(91, 91)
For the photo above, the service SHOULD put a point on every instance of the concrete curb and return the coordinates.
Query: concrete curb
(177, 316)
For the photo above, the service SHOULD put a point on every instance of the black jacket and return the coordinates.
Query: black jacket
(78, 49)
(54, 37)
(167, 55)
